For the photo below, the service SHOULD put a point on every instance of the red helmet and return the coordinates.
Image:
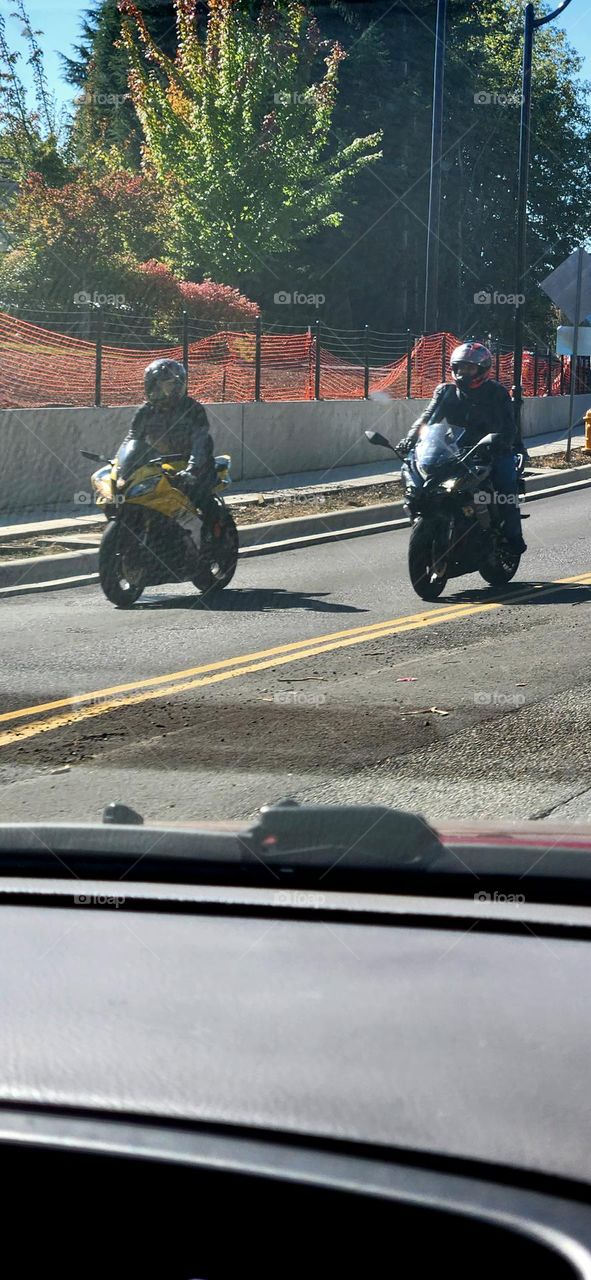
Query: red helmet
(470, 364)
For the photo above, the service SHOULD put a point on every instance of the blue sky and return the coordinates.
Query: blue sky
(576, 21)
(60, 22)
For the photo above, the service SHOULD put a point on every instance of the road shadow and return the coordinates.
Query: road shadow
(525, 593)
(252, 600)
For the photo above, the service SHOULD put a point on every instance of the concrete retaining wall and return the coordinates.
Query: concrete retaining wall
(543, 414)
(40, 461)
(40, 448)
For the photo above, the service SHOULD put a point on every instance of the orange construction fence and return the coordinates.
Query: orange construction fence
(39, 367)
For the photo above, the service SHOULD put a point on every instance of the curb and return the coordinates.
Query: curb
(79, 568)
(43, 570)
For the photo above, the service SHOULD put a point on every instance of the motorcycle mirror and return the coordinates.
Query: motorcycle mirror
(374, 437)
(94, 457)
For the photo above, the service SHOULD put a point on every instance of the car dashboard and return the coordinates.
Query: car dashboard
(199, 1080)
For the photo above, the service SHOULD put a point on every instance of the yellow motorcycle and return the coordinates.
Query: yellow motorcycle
(154, 533)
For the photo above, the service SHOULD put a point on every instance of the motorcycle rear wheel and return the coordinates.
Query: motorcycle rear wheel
(121, 583)
(500, 566)
(422, 563)
(219, 558)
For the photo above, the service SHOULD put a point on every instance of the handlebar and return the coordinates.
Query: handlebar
(164, 457)
(96, 457)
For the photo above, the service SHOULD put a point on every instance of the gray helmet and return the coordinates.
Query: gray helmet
(165, 380)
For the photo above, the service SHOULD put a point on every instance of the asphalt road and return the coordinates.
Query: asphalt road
(283, 710)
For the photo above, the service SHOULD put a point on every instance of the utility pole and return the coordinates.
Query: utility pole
(531, 24)
(431, 311)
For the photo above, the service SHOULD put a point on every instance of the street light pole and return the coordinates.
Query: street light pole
(432, 261)
(531, 23)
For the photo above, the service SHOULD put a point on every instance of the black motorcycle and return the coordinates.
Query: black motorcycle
(457, 517)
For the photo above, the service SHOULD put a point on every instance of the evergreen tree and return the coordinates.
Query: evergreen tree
(104, 114)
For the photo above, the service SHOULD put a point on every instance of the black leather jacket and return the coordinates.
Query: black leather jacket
(180, 427)
(483, 409)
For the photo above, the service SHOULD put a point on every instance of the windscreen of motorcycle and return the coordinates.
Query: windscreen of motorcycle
(437, 446)
(131, 455)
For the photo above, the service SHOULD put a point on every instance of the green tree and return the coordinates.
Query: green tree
(239, 136)
(480, 184)
(84, 236)
(98, 237)
(371, 268)
(29, 138)
(104, 115)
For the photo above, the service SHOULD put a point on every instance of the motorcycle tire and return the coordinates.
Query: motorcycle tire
(219, 558)
(500, 566)
(121, 590)
(421, 563)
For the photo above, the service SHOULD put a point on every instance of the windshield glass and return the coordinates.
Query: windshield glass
(437, 446)
(263, 231)
(131, 455)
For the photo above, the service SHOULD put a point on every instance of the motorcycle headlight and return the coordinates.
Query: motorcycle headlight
(144, 486)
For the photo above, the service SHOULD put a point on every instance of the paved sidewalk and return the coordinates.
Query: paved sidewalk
(555, 441)
(65, 517)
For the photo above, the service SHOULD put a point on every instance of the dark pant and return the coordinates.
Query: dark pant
(504, 479)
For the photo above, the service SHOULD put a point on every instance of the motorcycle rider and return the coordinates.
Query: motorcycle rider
(171, 421)
(480, 405)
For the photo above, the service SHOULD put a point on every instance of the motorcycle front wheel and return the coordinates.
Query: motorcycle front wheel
(219, 557)
(423, 561)
(121, 580)
(500, 566)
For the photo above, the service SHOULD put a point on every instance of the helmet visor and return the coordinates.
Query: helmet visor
(166, 386)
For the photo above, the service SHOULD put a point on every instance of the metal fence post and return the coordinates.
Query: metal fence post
(561, 375)
(409, 350)
(98, 357)
(317, 366)
(257, 359)
(366, 364)
(536, 366)
(186, 342)
(549, 380)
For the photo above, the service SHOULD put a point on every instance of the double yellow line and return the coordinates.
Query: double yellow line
(70, 711)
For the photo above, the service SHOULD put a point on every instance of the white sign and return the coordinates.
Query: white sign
(561, 285)
(564, 340)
